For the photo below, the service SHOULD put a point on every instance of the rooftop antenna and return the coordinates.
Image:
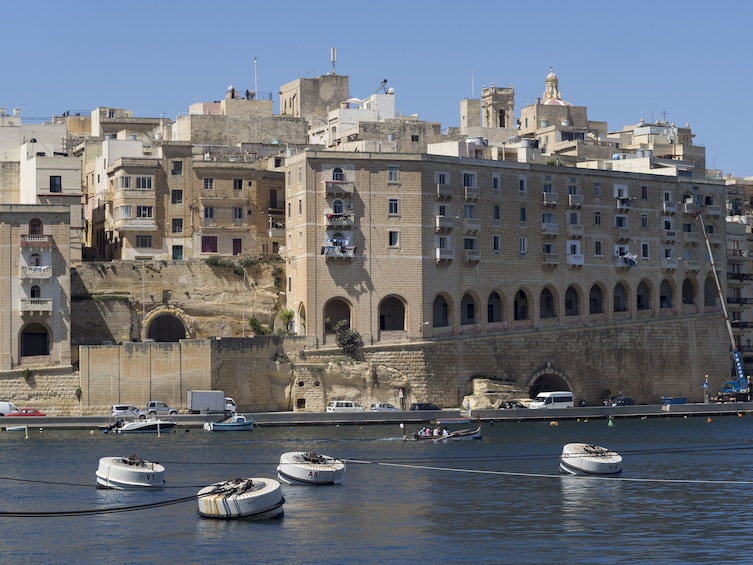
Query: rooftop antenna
(333, 58)
(473, 85)
(382, 86)
(255, 87)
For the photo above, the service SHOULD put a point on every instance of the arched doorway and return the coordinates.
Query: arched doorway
(392, 314)
(521, 306)
(166, 328)
(334, 311)
(440, 312)
(595, 300)
(35, 340)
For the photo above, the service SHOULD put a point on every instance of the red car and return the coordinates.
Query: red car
(26, 412)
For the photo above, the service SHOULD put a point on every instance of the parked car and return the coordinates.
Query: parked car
(343, 406)
(128, 411)
(424, 406)
(26, 412)
(383, 407)
(158, 408)
(621, 401)
(511, 405)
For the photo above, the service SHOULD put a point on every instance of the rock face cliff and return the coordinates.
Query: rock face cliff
(122, 301)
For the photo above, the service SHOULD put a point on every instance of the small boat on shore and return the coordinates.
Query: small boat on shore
(441, 432)
(150, 426)
(235, 423)
(252, 498)
(589, 459)
(298, 467)
(129, 473)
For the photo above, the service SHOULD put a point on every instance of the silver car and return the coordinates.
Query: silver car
(128, 411)
(383, 407)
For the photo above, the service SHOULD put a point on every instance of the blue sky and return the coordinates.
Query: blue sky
(624, 61)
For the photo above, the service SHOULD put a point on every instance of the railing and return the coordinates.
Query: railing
(36, 272)
(339, 187)
(713, 211)
(444, 191)
(471, 225)
(550, 228)
(551, 259)
(623, 203)
(551, 198)
(472, 255)
(670, 236)
(339, 251)
(669, 263)
(36, 240)
(36, 305)
(623, 233)
(669, 207)
(472, 192)
(575, 200)
(715, 239)
(339, 220)
(575, 259)
(690, 265)
(691, 237)
(575, 230)
(443, 254)
(444, 223)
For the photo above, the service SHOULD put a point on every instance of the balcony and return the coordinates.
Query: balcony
(472, 255)
(550, 228)
(690, 265)
(691, 238)
(575, 231)
(669, 208)
(715, 239)
(139, 224)
(339, 187)
(472, 192)
(36, 272)
(443, 254)
(471, 225)
(739, 279)
(737, 255)
(669, 263)
(670, 236)
(623, 234)
(339, 220)
(444, 191)
(338, 249)
(551, 198)
(624, 203)
(713, 211)
(36, 241)
(36, 305)
(551, 259)
(575, 200)
(577, 260)
(444, 223)
(690, 208)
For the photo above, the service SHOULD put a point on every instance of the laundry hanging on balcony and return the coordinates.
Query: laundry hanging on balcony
(629, 259)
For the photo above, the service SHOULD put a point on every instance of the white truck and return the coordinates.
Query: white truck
(209, 401)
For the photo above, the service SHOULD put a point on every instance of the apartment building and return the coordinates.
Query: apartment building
(408, 247)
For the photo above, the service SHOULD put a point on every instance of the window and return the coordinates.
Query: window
(523, 245)
(209, 244)
(442, 178)
(644, 221)
(687, 228)
(393, 210)
(209, 213)
(496, 183)
(143, 183)
(56, 183)
(443, 242)
(495, 214)
(442, 210)
(143, 241)
(208, 184)
(644, 251)
(177, 225)
(547, 218)
(574, 218)
(176, 168)
(620, 191)
(237, 213)
(337, 207)
(35, 227)
(300, 239)
(237, 184)
(414, 138)
(667, 196)
(126, 212)
(177, 196)
(394, 238)
(177, 253)
(35, 292)
(497, 244)
(300, 174)
(469, 180)
(392, 175)
(644, 192)
(469, 210)
(338, 174)
(597, 218)
(125, 182)
(548, 183)
(469, 243)
(620, 221)
(144, 211)
(572, 186)
(597, 248)
(289, 212)
(548, 248)
(300, 206)
(522, 213)
(597, 189)
(521, 184)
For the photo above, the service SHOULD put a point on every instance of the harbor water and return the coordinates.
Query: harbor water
(684, 496)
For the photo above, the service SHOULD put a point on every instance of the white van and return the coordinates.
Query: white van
(7, 408)
(344, 406)
(558, 399)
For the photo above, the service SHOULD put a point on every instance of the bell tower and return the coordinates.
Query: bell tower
(498, 107)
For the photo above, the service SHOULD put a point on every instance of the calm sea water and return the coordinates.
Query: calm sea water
(684, 497)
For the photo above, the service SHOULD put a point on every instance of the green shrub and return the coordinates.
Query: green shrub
(349, 340)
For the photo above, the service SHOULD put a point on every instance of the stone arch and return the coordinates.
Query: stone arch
(548, 303)
(621, 297)
(572, 300)
(596, 299)
(34, 340)
(441, 311)
(666, 294)
(522, 308)
(469, 314)
(546, 379)
(300, 328)
(495, 311)
(710, 293)
(335, 310)
(168, 324)
(643, 296)
(689, 291)
(392, 314)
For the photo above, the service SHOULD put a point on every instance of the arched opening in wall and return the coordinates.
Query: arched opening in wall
(494, 309)
(301, 326)
(521, 306)
(620, 298)
(392, 314)
(166, 328)
(666, 297)
(548, 382)
(546, 304)
(572, 303)
(688, 292)
(710, 293)
(334, 311)
(440, 312)
(595, 300)
(468, 311)
(35, 340)
(643, 296)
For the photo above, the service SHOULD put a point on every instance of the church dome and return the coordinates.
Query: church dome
(552, 95)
